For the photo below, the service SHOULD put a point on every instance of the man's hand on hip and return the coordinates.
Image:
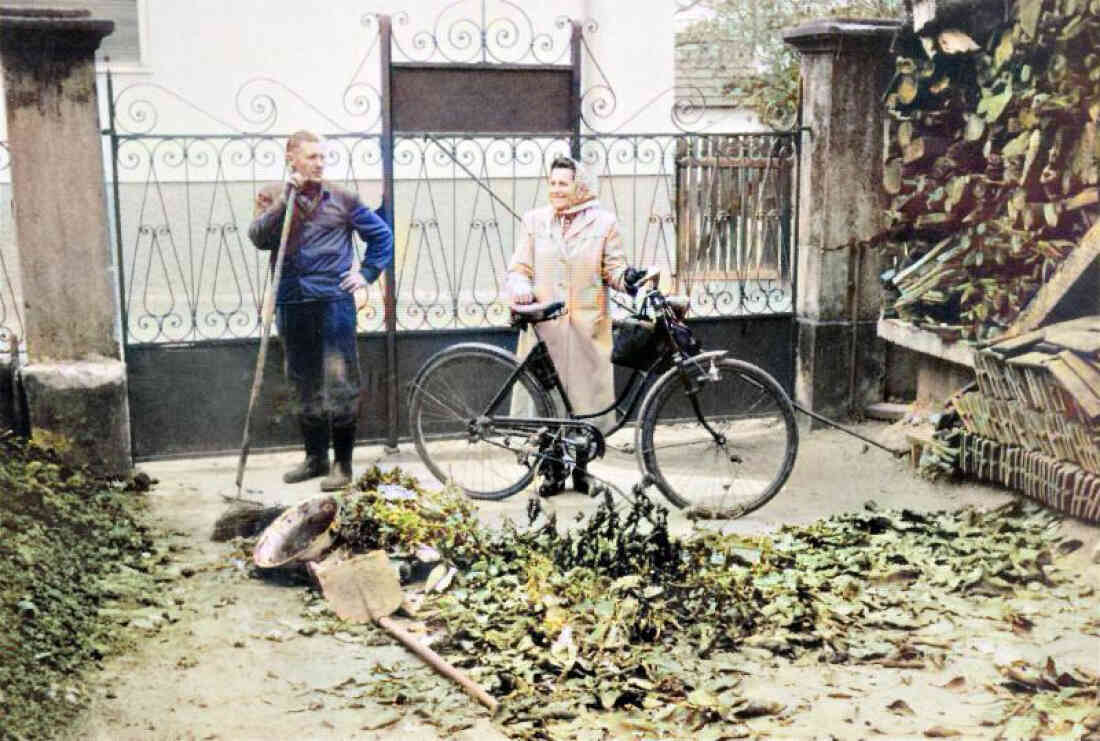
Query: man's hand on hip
(352, 281)
(361, 297)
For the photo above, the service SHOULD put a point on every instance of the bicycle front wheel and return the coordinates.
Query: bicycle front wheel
(448, 417)
(721, 444)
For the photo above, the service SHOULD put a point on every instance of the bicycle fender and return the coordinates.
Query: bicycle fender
(709, 354)
(480, 346)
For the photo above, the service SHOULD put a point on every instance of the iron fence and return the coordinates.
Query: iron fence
(184, 204)
(190, 273)
(715, 212)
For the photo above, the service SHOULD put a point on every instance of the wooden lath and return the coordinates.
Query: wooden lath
(735, 209)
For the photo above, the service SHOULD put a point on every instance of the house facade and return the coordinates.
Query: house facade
(198, 98)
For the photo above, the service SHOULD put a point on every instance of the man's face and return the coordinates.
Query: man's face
(308, 159)
(562, 188)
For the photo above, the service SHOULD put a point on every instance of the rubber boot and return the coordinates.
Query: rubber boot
(553, 477)
(315, 433)
(343, 444)
(580, 472)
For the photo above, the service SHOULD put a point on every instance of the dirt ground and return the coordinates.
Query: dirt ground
(227, 657)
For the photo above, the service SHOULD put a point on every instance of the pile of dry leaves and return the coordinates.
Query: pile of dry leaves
(70, 550)
(617, 615)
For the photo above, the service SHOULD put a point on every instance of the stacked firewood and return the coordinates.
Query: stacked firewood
(1040, 391)
(1032, 420)
(991, 161)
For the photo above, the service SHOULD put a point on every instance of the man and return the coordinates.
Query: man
(317, 299)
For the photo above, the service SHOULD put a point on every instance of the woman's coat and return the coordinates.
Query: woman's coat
(576, 267)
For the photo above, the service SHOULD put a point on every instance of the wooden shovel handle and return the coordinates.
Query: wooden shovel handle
(267, 315)
(437, 662)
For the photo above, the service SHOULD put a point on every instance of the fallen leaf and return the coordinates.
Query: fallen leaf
(381, 720)
(702, 698)
(608, 698)
(757, 708)
(956, 684)
(941, 732)
(900, 707)
(1069, 546)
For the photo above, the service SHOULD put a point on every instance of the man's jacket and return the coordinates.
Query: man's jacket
(320, 248)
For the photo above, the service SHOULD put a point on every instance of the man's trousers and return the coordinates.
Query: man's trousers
(322, 362)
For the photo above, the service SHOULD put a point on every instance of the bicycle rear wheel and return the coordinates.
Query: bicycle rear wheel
(724, 449)
(448, 410)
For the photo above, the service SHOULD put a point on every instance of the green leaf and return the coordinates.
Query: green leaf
(992, 106)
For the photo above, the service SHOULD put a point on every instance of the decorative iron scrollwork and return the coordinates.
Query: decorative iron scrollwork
(485, 31)
(191, 274)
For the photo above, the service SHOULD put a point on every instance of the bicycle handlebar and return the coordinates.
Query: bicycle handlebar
(652, 275)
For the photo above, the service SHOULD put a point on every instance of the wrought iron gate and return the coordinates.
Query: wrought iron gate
(716, 212)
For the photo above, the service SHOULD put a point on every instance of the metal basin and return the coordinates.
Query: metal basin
(302, 533)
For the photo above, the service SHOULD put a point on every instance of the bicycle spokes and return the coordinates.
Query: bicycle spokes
(725, 443)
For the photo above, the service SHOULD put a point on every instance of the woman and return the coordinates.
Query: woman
(571, 251)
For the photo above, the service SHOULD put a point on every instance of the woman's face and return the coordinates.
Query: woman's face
(562, 187)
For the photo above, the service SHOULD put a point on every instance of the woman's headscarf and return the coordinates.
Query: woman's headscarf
(586, 186)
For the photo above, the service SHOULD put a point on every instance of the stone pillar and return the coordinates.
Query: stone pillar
(846, 66)
(74, 380)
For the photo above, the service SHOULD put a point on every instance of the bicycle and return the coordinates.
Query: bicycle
(714, 434)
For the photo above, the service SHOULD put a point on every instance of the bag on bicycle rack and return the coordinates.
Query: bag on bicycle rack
(635, 343)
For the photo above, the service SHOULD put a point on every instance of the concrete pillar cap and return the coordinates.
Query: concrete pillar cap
(67, 20)
(814, 33)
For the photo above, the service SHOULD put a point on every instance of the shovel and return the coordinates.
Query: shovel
(247, 517)
(267, 314)
(367, 587)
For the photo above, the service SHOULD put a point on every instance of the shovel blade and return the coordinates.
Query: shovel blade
(361, 588)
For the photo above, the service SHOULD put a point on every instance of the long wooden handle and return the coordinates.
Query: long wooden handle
(267, 314)
(437, 662)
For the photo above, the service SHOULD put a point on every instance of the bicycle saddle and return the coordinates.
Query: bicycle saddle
(538, 312)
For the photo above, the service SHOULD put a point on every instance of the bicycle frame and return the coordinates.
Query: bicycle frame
(539, 363)
(541, 366)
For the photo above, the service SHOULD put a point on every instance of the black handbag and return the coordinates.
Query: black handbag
(634, 343)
